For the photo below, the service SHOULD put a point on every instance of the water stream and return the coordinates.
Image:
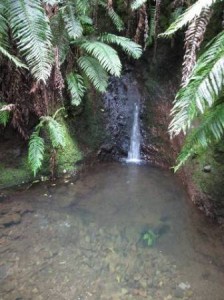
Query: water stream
(134, 152)
(85, 240)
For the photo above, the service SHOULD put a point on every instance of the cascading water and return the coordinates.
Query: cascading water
(134, 151)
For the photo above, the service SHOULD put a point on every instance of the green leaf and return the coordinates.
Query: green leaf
(56, 133)
(136, 4)
(4, 114)
(106, 55)
(131, 48)
(76, 87)
(185, 18)
(72, 23)
(94, 71)
(31, 29)
(36, 152)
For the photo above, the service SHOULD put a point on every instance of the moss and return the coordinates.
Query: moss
(15, 175)
(71, 154)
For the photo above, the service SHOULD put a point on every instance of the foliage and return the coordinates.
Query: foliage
(4, 114)
(137, 4)
(150, 238)
(200, 99)
(55, 134)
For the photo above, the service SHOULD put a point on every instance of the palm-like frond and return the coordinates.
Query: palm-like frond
(210, 129)
(56, 133)
(94, 71)
(76, 87)
(36, 151)
(115, 18)
(4, 114)
(193, 39)
(192, 12)
(203, 89)
(72, 22)
(136, 4)
(31, 29)
(131, 48)
(106, 55)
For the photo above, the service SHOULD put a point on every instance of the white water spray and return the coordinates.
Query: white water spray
(134, 151)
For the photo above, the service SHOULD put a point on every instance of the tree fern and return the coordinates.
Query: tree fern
(94, 71)
(76, 87)
(31, 29)
(211, 129)
(106, 55)
(36, 151)
(184, 19)
(130, 47)
(204, 88)
(136, 4)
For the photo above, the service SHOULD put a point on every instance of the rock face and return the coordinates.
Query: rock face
(118, 110)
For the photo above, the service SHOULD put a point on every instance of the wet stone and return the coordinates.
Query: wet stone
(10, 219)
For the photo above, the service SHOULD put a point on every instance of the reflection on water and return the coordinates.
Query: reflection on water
(85, 240)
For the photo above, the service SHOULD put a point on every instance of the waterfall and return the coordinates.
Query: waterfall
(134, 151)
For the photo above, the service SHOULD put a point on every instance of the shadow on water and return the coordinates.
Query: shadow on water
(123, 231)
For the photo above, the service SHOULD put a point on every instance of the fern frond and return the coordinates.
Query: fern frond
(106, 55)
(192, 12)
(72, 23)
(116, 19)
(36, 152)
(56, 133)
(136, 4)
(94, 71)
(193, 39)
(31, 29)
(4, 114)
(76, 87)
(204, 87)
(13, 58)
(131, 48)
(210, 129)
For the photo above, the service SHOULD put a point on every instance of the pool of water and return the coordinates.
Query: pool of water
(88, 240)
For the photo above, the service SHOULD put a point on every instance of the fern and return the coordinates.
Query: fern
(72, 23)
(130, 47)
(136, 4)
(192, 12)
(4, 114)
(36, 152)
(13, 58)
(106, 55)
(56, 133)
(31, 29)
(76, 87)
(94, 71)
(211, 129)
(115, 18)
(203, 89)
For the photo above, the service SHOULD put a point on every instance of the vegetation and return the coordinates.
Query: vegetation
(62, 49)
(150, 238)
(57, 42)
(200, 99)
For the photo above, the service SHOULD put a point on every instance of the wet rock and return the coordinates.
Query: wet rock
(207, 169)
(10, 219)
(179, 293)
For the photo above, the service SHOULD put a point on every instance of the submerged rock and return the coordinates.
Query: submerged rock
(10, 219)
